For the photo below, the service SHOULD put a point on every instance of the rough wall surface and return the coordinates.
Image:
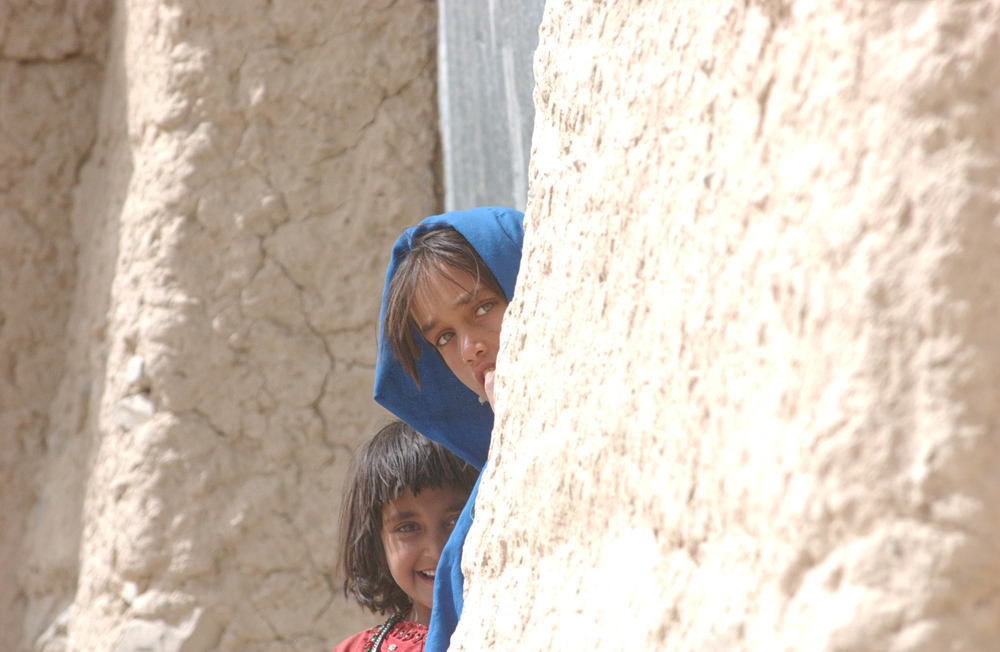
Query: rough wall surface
(749, 396)
(50, 73)
(192, 258)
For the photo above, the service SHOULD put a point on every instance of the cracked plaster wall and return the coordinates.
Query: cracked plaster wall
(51, 59)
(749, 388)
(197, 201)
(780, 435)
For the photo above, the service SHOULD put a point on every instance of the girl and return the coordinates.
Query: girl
(447, 287)
(403, 496)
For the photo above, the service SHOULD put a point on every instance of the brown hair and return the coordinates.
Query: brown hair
(432, 250)
(397, 458)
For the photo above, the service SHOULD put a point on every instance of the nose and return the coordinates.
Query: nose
(434, 543)
(472, 347)
(439, 539)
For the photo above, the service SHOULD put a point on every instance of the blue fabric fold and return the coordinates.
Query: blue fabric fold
(442, 408)
(449, 581)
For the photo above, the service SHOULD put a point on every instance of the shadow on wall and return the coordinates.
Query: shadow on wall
(49, 552)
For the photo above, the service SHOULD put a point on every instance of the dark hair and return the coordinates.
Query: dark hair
(397, 458)
(430, 251)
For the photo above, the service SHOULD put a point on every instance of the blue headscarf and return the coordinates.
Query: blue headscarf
(442, 408)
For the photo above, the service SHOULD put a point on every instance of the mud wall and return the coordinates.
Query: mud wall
(762, 413)
(749, 396)
(50, 72)
(198, 199)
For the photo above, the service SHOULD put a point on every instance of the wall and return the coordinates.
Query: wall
(761, 415)
(192, 289)
(50, 75)
(764, 412)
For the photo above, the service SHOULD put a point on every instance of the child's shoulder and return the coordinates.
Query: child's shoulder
(405, 636)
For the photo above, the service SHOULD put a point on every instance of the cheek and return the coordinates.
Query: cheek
(398, 551)
(394, 551)
(495, 328)
(452, 357)
(498, 318)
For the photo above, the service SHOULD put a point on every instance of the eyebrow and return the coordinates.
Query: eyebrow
(463, 299)
(400, 516)
(456, 506)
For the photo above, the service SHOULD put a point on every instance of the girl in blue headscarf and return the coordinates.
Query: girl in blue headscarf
(447, 287)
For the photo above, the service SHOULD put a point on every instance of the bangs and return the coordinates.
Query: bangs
(395, 467)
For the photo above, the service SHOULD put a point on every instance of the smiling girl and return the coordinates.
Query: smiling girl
(403, 497)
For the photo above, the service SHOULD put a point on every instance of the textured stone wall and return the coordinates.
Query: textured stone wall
(749, 397)
(198, 201)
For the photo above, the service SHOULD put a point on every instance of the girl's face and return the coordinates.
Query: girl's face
(414, 530)
(462, 321)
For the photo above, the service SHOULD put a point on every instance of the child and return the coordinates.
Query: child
(403, 496)
(447, 287)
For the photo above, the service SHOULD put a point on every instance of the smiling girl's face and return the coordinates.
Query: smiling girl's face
(414, 531)
(461, 320)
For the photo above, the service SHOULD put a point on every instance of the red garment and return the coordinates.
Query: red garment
(406, 636)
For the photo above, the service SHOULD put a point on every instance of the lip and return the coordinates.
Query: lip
(424, 577)
(481, 370)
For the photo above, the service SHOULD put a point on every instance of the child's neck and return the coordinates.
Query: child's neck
(418, 614)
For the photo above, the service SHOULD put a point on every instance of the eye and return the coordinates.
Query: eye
(452, 522)
(443, 338)
(405, 528)
(485, 308)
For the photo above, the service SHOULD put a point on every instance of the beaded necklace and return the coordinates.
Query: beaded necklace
(381, 632)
